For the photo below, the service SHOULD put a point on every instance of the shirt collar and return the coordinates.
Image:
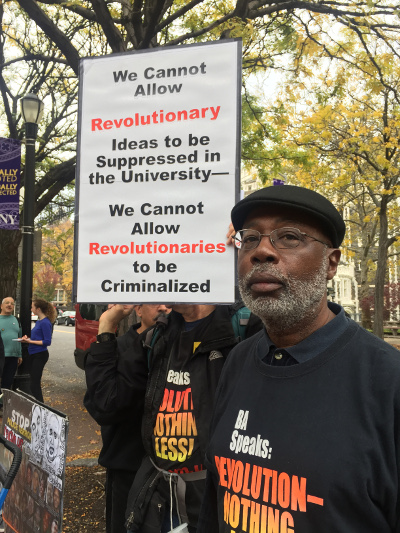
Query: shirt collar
(317, 342)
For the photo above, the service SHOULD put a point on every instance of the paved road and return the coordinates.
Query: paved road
(61, 366)
(64, 387)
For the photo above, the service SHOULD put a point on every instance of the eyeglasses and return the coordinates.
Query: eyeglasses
(281, 239)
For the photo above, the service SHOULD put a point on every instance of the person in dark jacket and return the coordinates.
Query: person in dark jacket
(122, 450)
(305, 433)
(176, 375)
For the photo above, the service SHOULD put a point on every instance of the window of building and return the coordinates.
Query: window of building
(59, 295)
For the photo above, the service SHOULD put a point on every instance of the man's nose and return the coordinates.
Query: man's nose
(265, 251)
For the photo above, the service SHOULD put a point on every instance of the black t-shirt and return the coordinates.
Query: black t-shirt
(175, 438)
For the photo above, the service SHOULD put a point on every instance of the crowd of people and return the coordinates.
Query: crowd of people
(290, 426)
(11, 340)
(276, 414)
(25, 505)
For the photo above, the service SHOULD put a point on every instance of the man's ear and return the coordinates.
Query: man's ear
(333, 258)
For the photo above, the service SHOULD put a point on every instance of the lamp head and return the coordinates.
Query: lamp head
(32, 108)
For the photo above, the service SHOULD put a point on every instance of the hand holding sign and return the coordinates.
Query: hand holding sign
(110, 319)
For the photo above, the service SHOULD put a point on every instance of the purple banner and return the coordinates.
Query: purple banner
(278, 182)
(10, 170)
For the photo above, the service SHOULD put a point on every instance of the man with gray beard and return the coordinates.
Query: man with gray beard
(305, 433)
(297, 297)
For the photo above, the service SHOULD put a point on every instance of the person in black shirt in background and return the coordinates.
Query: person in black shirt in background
(179, 374)
(122, 449)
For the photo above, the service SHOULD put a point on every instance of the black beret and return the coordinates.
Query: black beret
(299, 198)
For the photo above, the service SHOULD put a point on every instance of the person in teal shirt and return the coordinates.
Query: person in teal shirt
(10, 329)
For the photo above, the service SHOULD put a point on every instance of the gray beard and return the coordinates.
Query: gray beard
(297, 302)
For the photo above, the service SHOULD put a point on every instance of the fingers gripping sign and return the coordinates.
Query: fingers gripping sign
(110, 319)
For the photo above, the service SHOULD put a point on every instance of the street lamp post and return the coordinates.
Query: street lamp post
(32, 111)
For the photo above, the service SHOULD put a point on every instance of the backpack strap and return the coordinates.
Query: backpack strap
(152, 336)
(239, 321)
(177, 487)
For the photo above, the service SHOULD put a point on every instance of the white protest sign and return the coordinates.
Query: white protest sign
(158, 174)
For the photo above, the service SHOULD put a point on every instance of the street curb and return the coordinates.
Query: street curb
(83, 462)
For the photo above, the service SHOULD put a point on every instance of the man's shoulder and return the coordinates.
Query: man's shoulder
(9, 318)
(45, 322)
(246, 346)
(369, 338)
(368, 343)
(129, 340)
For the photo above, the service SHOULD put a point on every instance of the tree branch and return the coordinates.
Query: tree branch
(179, 13)
(73, 7)
(53, 32)
(155, 15)
(35, 57)
(55, 180)
(114, 37)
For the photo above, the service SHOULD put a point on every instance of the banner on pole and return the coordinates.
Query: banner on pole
(35, 500)
(10, 170)
(158, 174)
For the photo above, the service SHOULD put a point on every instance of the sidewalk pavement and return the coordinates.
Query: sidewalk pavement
(393, 340)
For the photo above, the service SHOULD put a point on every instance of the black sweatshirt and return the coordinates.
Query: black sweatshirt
(309, 448)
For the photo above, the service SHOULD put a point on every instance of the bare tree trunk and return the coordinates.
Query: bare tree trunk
(364, 207)
(366, 321)
(381, 266)
(9, 242)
